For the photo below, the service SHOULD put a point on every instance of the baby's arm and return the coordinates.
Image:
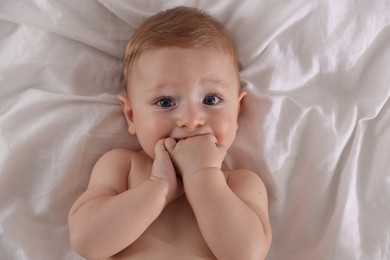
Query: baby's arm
(108, 217)
(232, 215)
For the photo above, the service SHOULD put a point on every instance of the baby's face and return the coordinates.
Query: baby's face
(181, 93)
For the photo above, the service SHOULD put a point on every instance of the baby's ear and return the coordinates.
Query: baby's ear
(128, 111)
(241, 100)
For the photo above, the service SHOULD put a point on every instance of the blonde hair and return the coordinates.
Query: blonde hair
(184, 27)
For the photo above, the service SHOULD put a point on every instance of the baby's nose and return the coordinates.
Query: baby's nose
(191, 117)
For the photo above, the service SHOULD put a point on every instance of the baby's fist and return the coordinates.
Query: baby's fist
(196, 153)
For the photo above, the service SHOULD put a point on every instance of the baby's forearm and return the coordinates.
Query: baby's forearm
(103, 226)
(231, 228)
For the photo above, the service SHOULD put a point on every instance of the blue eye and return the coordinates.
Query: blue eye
(211, 100)
(165, 102)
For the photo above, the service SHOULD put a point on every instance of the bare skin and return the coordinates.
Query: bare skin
(173, 232)
(175, 199)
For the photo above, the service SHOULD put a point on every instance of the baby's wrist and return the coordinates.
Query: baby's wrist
(203, 179)
(167, 193)
(161, 183)
(205, 170)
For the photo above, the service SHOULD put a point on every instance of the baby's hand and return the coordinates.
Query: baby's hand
(196, 153)
(164, 171)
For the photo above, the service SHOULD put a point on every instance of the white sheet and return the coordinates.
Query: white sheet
(316, 126)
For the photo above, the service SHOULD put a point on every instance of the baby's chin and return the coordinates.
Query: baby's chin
(147, 153)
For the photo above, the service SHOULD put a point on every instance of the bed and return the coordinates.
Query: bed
(316, 126)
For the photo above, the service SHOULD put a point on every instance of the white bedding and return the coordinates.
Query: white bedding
(316, 126)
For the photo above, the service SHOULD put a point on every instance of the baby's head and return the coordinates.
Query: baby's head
(181, 79)
(183, 27)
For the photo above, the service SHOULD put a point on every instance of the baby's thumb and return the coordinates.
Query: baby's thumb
(161, 162)
(170, 144)
(159, 149)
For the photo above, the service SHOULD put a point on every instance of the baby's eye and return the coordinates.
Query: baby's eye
(211, 100)
(165, 102)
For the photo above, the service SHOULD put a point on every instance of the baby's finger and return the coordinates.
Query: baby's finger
(212, 138)
(221, 148)
(170, 144)
(159, 148)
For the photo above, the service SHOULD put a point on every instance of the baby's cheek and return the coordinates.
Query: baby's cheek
(227, 133)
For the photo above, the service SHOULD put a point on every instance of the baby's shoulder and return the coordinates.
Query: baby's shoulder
(122, 156)
(119, 152)
(243, 178)
(117, 158)
(114, 161)
(113, 168)
(250, 188)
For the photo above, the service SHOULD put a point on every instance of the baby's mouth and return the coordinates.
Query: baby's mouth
(184, 137)
(181, 138)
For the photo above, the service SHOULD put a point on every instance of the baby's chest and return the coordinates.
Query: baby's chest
(173, 235)
(176, 221)
(178, 227)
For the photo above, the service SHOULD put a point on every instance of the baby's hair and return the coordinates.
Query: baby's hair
(183, 27)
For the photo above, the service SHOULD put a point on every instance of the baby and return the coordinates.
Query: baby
(175, 199)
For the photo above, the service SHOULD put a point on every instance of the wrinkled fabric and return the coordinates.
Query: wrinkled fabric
(316, 125)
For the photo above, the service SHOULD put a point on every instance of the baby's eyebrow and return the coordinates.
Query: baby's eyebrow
(212, 80)
(216, 82)
(159, 86)
(166, 85)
